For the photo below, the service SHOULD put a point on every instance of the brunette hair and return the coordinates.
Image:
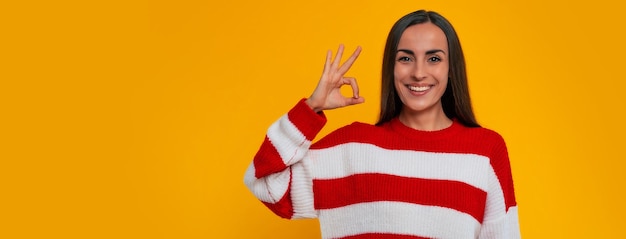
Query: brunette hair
(455, 100)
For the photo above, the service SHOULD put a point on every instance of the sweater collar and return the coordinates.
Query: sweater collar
(399, 127)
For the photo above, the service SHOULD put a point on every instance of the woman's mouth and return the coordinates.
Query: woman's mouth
(419, 89)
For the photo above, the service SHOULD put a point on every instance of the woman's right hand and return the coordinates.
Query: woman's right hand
(327, 94)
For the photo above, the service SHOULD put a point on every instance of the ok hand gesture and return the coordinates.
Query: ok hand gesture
(327, 94)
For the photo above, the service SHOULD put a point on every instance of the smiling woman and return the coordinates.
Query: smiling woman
(425, 170)
(132, 119)
(421, 76)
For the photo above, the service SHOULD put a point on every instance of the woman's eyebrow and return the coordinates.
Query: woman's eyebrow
(427, 52)
(406, 51)
(435, 51)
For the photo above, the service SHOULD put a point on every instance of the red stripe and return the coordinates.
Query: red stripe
(284, 206)
(359, 188)
(382, 236)
(466, 140)
(267, 160)
(502, 168)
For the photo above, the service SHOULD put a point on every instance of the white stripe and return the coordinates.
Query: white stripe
(356, 158)
(269, 189)
(397, 218)
(290, 143)
(506, 227)
(496, 205)
(302, 192)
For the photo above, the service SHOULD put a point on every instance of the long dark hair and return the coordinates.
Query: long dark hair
(455, 100)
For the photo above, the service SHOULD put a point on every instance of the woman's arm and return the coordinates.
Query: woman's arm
(275, 176)
(501, 217)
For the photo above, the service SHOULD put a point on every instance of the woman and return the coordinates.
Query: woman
(425, 170)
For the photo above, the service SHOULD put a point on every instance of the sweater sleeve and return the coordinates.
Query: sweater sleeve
(276, 175)
(501, 218)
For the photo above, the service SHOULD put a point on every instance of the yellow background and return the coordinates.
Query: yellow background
(137, 119)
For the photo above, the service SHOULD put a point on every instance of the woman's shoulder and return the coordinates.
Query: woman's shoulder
(483, 133)
(483, 140)
(357, 125)
(355, 132)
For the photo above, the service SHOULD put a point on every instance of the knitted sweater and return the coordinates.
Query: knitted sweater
(387, 181)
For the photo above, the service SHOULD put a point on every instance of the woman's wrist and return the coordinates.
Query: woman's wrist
(313, 106)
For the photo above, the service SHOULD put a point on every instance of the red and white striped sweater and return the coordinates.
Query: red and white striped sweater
(388, 181)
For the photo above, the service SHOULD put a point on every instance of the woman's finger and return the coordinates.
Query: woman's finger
(355, 87)
(346, 66)
(337, 59)
(329, 56)
(354, 101)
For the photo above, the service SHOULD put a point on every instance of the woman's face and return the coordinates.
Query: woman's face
(421, 68)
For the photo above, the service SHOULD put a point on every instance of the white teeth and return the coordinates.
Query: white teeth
(419, 88)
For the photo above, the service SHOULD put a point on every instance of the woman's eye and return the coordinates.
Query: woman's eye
(404, 58)
(434, 59)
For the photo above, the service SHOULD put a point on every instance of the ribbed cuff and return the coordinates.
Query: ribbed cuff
(306, 120)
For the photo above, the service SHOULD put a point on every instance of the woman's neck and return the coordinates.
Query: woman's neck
(430, 120)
